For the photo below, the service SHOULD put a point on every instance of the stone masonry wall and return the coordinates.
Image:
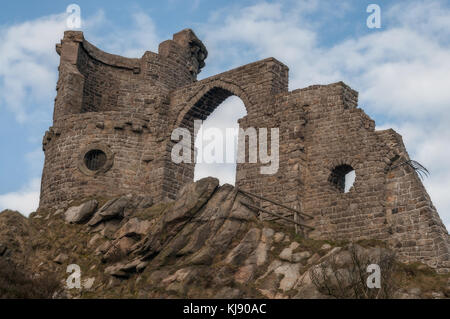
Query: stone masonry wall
(124, 110)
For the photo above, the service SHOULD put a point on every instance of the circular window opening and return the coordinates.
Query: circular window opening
(95, 160)
(343, 177)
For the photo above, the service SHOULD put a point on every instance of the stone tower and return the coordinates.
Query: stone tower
(111, 135)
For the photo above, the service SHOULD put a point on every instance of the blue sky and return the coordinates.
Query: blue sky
(402, 71)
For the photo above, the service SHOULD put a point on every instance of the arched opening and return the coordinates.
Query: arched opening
(342, 178)
(216, 142)
(181, 167)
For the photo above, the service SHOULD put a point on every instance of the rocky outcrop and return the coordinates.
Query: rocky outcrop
(79, 214)
(205, 244)
(16, 236)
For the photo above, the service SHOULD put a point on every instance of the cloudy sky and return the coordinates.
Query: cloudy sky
(402, 70)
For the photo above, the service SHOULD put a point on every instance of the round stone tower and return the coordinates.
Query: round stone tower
(110, 118)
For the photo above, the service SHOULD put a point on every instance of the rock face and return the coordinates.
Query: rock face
(112, 209)
(16, 236)
(205, 244)
(79, 214)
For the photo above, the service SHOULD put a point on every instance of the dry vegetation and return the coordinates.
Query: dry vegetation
(17, 283)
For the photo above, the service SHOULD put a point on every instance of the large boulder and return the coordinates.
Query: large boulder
(191, 198)
(80, 214)
(111, 210)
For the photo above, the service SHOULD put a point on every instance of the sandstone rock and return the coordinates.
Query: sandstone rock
(325, 247)
(286, 254)
(191, 198)
(267, 235)
(58, 212)
(244, 248)
(93, 240)
(124, 269)
(290, 273)
(134, 228)
(61, 258)
(244, 274)
(268, 283)
(180, 276)
(298, 257)
(80, 214)
(261, 253)
(330, 253)
(112, 209)
(125, 244)
(180, 281)
(88, 283)
(109, 228)
(118, 249)
(313, 259)
(306, 289)
(117, 270)
(103, 248)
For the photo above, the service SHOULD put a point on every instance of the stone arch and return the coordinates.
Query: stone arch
(208, 97)
(199, 105)
(330, 164)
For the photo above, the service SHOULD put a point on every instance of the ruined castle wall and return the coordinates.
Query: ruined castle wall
(124, 110)
(337, 134)
(384, 203)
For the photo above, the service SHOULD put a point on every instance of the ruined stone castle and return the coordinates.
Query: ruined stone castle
(111, 135)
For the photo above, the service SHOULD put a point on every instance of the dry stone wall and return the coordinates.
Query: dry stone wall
(114, 116)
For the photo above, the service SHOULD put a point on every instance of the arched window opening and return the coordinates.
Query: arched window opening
(216, 142)
(343, 177)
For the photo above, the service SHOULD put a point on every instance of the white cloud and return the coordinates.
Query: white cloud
(26, 200)
(28, 64)
(131, 42)
(28, 60)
